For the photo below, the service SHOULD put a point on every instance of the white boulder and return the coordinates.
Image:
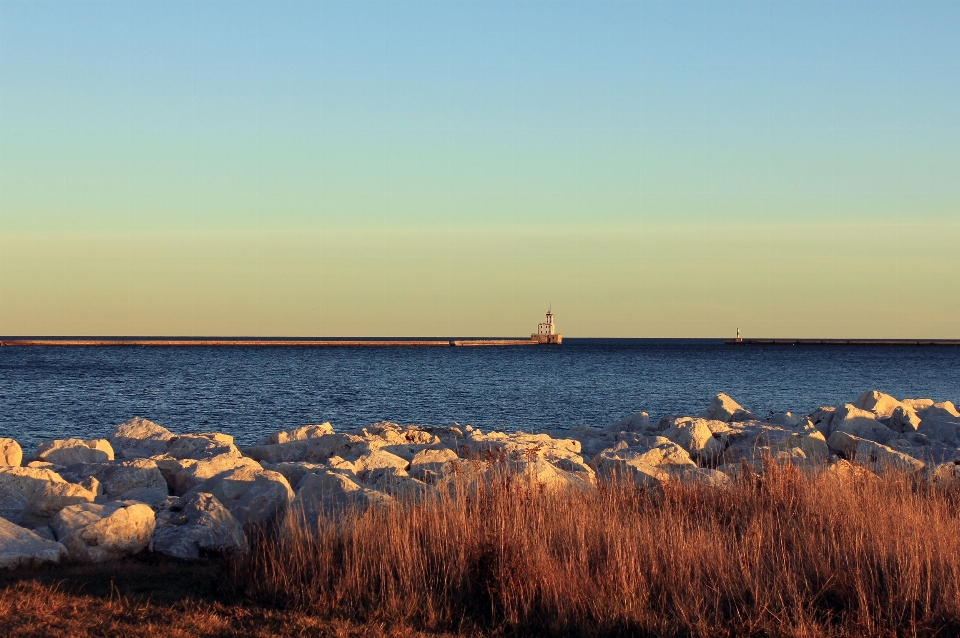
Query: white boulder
(96, 533)
(880, 404)
(32, 495)
(298, 434)
(253, 495)
(140, 437)
(71, 451)
(694, 436)
(880, 456)
(723, 408)
(196, 526)
(20, 547)
(10, 452)
(325, 493)
(860, 423)
(639, 422)
(201, 446)
(427, 464)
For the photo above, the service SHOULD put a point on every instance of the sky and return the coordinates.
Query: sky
(454, 168)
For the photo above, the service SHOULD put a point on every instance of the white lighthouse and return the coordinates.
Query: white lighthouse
(547, 331)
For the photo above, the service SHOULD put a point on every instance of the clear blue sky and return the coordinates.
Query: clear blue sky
(382, 168)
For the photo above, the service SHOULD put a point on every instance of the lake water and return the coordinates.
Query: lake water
(60, 392)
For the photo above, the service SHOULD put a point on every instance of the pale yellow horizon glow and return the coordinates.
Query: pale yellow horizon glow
(775, 279)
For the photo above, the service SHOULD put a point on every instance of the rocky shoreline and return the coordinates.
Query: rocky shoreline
(196, 495)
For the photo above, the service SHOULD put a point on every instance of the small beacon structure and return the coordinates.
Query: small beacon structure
(547, 331)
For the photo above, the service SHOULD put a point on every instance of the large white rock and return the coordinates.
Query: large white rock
(253, 495)
(880, 404)
(10, 452)
(194, 474)
(723, 408)
(20, 547)
(694, 436)
(201, 446)
(32, 495)
(314, 450)
(71, 451)
(614, 467)
(860, 423)
(140, 437)
(96, 533)
(813, 444)
(295, 471)
(136, 479)
(426, 464)
(327, 493)
(639, 422)
(297, 434)
(941, 422)
(196, 526)
(904, 419)
(879, 456)
(380, 460)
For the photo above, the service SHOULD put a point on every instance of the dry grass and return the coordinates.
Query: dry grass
(785, 555)
(788, 554)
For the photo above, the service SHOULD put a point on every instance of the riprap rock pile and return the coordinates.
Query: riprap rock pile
(193, 495)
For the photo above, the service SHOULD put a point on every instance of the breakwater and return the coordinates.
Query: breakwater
(843, 342)
(278, 342)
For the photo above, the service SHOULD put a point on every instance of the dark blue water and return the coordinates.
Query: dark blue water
(58, 392)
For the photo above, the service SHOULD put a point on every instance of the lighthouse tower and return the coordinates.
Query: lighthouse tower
(547, 331)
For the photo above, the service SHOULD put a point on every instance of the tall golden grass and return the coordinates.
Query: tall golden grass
(785, 553)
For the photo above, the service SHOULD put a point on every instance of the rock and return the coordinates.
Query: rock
(639, 422)
(72, 451)
(941, 422)
(785, 419)
(544, 476)
(140, 437)
(880, 456)
(325, 493)
(880, 404)
(137, 479)
(201, 446)
(813, 445)
(10, 452)
(197, 526)
(96, 533)
(297, 434)
(378, 459)
(822, 419)
(33, 495)
(46, 502)
(904, 419)
(20, 547)
(703, 476)
(612, 467)
(294, 472)
(426, 464)
(845, 472)
(723, 408)
(859, 423)
(917, 404)
(254, 496)
(196, 473)
(695, 437)
(660, 452)
(946, 474)
(315, 450)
